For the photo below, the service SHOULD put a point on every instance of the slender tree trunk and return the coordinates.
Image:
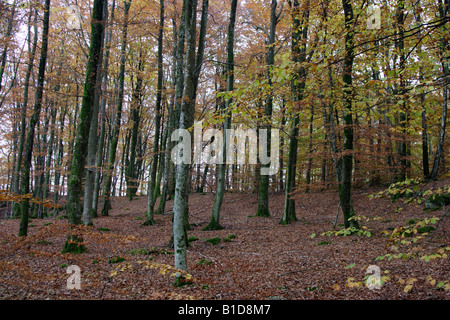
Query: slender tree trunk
(425, 155)
(298, 50)
(345, 187)
(9, 30)
(23, 115)
(77, 171)
(106, 206)
(154, 163)
(59, 158)
(214, 223)
(25, 183)
(282, 143)
(46, 188)
(41, 144)
(263, 197)
(93, 142)
(131, 176)
(444, 10)
(179, 85)
(403, 116)
(168, 167)
(101, 138)
(310, 149)
(186, 119)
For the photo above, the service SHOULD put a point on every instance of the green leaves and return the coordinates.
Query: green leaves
(348, 231)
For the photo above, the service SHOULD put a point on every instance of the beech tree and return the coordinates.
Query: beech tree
(345, 187)
(263, 196)
(214, 223)
(299, 36)
(106, 205)
(74, 205)
(186, 120)
(23, 111)
(154, 163)
(29, 140)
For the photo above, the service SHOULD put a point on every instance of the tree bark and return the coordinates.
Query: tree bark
(263, 197)
(154, 164)
(91, 169)
(136, 102)
(23, 115)
(25, 183)
(77, 171)
(214, 223)
(345, 187)
(444, 10)
(186, 120)
(106, 206)
(298, 51)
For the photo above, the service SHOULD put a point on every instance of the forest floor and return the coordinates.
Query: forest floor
(257, 258)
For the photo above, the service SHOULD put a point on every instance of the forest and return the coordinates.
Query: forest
(224, 150)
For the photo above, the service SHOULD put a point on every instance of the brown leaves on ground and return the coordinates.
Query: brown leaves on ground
(256, 258)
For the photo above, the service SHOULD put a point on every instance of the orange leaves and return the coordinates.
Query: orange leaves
(5, 195)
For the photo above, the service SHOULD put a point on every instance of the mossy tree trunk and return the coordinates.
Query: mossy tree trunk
(101, 138)
(345, 187)
(25, 182)
(80, 150)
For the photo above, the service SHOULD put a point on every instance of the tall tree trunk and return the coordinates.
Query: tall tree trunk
(345, 187)
(46, 188)
(93, 140)
(403, 116)
(298, 51)
(106, 206)
(310, 149)
(263, 197)
(168, 165)
(59, 158)
(23, 116)
(40, 145)
(444, 10)
(282, 143)
(425, 155)
(215, 216)
(101, 138)
(131, 172)
(154, 163)
(77, 171)
(186, 120)
(179, 85)
(9, 30)
(25, 183)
